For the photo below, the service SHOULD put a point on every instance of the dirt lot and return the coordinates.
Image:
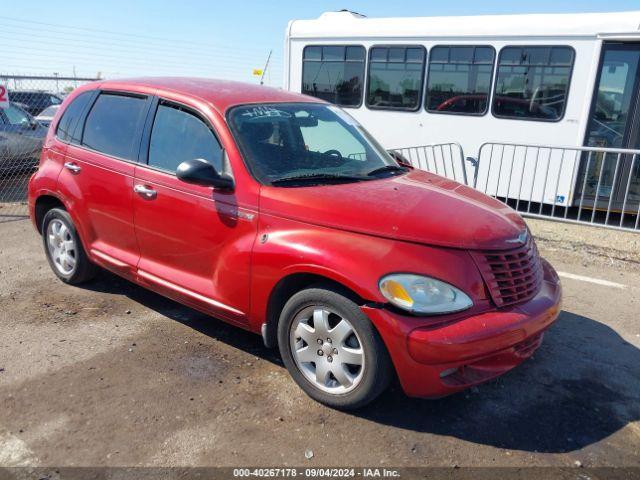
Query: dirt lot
(110, 374)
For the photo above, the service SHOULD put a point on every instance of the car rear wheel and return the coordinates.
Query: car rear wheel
(63, 248)
(332, 350)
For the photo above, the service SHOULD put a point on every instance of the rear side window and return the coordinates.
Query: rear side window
(65, 130)
(178, 135)
(49, 111)
(334, 73)
(112, 125)
(532, 82)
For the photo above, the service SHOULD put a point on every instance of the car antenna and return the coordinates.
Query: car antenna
(266, 65)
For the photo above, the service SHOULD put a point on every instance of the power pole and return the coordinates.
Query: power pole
(264, 70)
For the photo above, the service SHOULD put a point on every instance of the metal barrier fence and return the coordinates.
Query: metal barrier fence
(586, 185)
(445, 159)
(27, 105)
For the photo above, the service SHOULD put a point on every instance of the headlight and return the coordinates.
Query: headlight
(423, 295)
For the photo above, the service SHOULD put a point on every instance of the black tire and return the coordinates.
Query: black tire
(377, 369)
(83, 270)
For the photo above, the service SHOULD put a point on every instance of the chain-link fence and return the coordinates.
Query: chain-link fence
(27, 106)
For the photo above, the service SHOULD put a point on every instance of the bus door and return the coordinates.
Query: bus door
(614, 122)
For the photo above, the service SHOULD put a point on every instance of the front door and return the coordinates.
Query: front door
(195, 242)
(613, 179)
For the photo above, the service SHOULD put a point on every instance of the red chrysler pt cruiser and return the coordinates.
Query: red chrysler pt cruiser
(280, 214)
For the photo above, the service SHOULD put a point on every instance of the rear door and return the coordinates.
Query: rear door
(98, 178)
(195, 242)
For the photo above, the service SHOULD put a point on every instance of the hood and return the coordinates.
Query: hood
(417, 207)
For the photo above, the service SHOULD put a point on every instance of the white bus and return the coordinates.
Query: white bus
(557, 79)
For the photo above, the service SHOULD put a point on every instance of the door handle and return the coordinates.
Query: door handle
(145, 191)
(73, 167)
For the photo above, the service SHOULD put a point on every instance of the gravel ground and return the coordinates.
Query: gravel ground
(612, 248)
(110, 374)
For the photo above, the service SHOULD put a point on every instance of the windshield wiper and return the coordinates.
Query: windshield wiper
(387, 168)
(317, 177)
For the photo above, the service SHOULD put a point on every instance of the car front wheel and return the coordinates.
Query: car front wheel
(332, 350)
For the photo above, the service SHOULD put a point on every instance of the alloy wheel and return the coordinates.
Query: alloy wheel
(61, 246)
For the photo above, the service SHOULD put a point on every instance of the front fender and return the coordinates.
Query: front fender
(355, 260)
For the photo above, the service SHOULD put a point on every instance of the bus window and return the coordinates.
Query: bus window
(396, 75)
(459, 79)
(533, 82)
(334, 73)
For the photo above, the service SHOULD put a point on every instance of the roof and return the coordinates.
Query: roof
(349, 24)
(221, 94)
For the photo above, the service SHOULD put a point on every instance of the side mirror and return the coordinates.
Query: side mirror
(201, 172)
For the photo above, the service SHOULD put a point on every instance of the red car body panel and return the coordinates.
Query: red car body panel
(355, 260)
(417, 207)
(102, 197)
(213, 260)
(225, 253)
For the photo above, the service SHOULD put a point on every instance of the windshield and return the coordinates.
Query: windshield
(49, 111)
(304, 141)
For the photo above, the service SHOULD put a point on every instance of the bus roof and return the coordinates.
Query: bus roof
(345, 24)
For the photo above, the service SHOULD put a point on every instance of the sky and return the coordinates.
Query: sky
(223, 39)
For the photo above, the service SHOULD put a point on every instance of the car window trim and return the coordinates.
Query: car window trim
(145, 143)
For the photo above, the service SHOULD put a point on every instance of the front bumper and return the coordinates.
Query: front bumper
(435, 361)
